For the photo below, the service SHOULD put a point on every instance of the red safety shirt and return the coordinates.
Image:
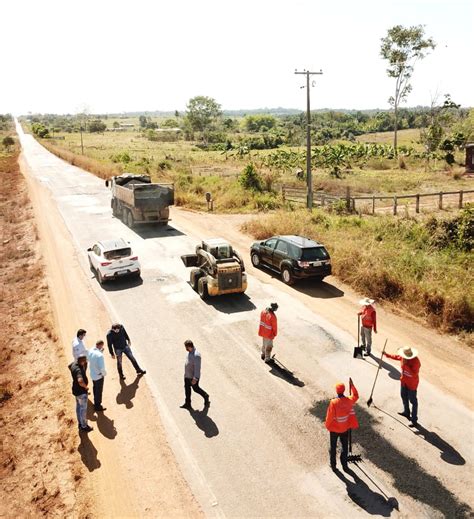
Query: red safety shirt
(369, 317)
(268, 325)
(410, 370)
(340, 416)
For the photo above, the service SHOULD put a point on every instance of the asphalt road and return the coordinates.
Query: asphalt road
(261, 450)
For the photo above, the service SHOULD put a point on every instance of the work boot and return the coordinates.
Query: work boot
(405, 414)
(262, 356)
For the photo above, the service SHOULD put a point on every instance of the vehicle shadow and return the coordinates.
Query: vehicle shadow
(363, 496)
(127, 393)
(122, 284)
(310, 287)
(231, 303)
(281, 371)
(148, 232)
(88, 453)
(204, 422)
(447, 452)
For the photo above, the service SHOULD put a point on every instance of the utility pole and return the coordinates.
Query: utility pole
(309, 176)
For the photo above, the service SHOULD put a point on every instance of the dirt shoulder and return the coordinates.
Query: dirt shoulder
(126, 466)
(40, 468)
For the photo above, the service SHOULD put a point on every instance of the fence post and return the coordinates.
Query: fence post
(417, 203)
(460, 198)
(440, 203)
(395, 205)
(373, 205)
(348, 198)
(283, 193)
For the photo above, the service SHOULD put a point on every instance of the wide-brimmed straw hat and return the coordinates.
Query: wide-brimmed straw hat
(408, 353)
(366, 301)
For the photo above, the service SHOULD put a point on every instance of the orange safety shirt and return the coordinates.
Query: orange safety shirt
(369, 317)
(268, 325)
(410, 370)
(340, 416)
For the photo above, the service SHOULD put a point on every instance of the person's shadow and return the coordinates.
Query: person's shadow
(88, 453)
(447, 452)
(204, 422)
(105, 425)
(127, 393)
(392, 370)
(280, 371)
(360, 493)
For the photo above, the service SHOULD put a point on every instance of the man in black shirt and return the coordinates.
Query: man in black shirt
(118, 342)
(80, 390)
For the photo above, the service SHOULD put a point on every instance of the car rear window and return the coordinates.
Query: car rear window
(117, 254)
(314, 254)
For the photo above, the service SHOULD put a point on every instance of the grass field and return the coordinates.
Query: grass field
(196, 171)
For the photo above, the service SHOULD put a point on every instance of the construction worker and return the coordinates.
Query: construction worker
(369, 322)
(409, 379)
(340, 417)
(268, 330)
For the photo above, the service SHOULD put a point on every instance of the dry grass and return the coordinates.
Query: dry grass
(39, 467)
(395, 260)
(100, 169)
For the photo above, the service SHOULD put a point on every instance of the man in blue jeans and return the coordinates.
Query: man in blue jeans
(80, 390)
(118, 343)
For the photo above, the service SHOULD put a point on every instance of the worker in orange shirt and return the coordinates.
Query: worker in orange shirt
(268, 330)
(340, 417)
(369, 322)
(409, 379)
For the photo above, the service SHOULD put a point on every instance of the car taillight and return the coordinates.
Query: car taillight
(134, 258)
(106, 263)
(303, 263)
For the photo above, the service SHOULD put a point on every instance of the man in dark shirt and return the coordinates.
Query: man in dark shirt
(118, 342)
(80, 391)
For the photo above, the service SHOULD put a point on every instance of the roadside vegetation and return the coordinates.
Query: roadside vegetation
(39, 469)
(423, 266)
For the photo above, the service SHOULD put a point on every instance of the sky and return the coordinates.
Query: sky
(63, 56)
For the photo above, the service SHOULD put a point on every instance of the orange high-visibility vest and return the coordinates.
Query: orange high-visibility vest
(369, 317)
(340, 416)
(410, 371)
(268, 325)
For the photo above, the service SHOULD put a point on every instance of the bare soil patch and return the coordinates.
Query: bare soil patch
(40, 471)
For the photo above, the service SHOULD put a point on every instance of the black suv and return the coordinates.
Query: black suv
(294, 257)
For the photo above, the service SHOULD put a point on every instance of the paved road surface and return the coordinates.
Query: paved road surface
(261, 450)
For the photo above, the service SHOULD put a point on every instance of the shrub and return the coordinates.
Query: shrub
(8, 141)
(121, 157)
(97, 126)
(250, 178)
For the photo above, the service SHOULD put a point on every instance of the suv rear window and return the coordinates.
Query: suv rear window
(117, 254)
(314, 254)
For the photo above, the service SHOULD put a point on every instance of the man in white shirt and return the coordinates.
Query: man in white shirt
(97, 373)
(78, 347)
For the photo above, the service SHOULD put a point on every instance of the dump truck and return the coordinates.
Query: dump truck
(136, 200)
(217, 269)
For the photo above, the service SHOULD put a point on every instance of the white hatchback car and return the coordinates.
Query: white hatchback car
(112, 259)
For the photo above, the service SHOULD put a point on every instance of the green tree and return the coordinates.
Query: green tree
(202, 113)
(250, 178)
(142, 121)
(97, 126)
(8, 141)
(402, 48)
(259, 123)
(116, 124)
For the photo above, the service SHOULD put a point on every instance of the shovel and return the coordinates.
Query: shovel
(352, 458)
(358, 349)
(369, 401)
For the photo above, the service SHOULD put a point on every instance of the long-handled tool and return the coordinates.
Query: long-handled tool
(352, 458)
(369, 401)
(358, 349)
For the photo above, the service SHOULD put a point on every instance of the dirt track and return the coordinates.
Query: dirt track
(263, 432)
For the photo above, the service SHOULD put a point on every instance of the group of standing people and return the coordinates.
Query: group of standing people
(340, 416)
(118, 343)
